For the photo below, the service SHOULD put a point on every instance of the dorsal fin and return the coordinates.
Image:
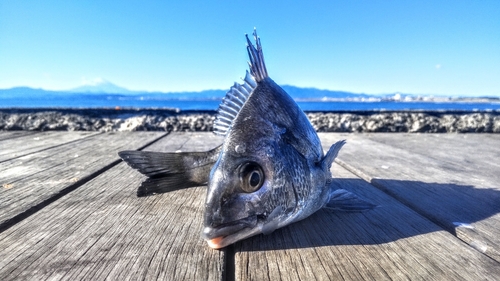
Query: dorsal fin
(257, 65)
(232, 103)
(238, 94)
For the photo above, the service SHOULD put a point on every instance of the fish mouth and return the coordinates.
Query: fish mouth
(228, 233)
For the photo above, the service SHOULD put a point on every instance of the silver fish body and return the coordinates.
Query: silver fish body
(269, 172)
(272, 170)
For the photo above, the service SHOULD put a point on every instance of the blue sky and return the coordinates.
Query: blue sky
(421, 47)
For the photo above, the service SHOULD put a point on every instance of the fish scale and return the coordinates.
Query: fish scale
(269, 172)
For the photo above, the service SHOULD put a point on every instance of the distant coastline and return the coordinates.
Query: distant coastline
(108, 107)
(130, 119)
(110, 95)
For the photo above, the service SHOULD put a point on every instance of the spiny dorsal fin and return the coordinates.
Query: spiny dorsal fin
(238, 94)
(257, 65)
(232, 103)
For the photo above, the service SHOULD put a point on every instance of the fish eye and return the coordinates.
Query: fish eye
(251, 177)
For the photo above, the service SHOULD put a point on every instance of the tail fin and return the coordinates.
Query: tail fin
(327, 161)
(170, 171)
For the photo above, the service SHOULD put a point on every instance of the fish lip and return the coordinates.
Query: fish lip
(229, 228)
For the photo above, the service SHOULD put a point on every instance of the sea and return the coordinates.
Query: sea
(114, 101)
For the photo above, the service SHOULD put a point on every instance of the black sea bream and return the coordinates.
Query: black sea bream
(269, 172)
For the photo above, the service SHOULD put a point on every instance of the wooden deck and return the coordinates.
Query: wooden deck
(69, 211)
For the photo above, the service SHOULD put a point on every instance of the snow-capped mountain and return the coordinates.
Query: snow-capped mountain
(100, 86)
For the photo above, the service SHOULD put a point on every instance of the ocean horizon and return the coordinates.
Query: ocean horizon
(308, 99)
(113, 101)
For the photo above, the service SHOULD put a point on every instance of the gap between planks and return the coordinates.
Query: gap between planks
(474, 236)
(32, 210)
(23, 151)
(229, 261)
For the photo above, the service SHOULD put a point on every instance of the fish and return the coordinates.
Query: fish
(270, 171)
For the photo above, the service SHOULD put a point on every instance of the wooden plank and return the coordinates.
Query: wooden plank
(14, 134)
(451, 179)
(391, 242)
(34, 178)
(103, 231)
(27, 144)
(467, 151)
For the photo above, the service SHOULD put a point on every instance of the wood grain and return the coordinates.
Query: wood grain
(390, 242)
(103, 231)
(31, 179)
(31, 143)
(451, 179)
(5, 135)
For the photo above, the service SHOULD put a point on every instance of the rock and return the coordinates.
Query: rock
(109, 120)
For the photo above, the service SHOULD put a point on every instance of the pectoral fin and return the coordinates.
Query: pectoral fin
(332, 153)
(272, 221)
(343, 200)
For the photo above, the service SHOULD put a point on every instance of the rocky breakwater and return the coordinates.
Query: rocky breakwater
(107, 120)
(412, 122)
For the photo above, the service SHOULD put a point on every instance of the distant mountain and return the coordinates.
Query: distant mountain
(101, 86)
(109, 89)
(108, 95)
(27, 92)
(317, 94)
(296, 93)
